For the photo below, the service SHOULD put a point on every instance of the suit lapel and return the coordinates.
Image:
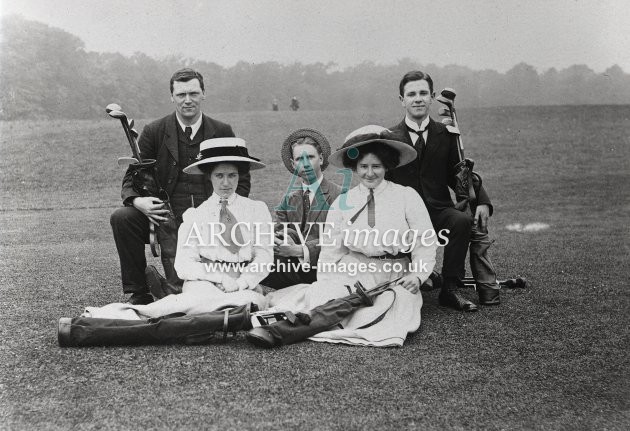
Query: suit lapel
(324, 190)
(170, 136)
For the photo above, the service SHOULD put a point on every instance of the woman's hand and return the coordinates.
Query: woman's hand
(410, 282)
(228, 284)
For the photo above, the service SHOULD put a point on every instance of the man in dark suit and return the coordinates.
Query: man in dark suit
(305, 154)
(431, 175)
(173, 141)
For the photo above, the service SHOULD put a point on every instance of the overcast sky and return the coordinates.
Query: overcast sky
(479, 34)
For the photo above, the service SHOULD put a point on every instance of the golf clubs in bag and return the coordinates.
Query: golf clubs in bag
(467, 187)
(162, 238)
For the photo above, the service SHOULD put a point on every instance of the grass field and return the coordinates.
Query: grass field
(554, 356)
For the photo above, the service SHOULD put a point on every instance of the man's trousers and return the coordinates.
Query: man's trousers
(459, 224)
(131, 233)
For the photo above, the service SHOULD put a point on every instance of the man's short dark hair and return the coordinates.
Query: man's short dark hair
(386, 154)
(185, 75)
(307, 141)
(415, 75)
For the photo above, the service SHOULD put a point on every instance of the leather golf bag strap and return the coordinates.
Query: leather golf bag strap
(382, 315)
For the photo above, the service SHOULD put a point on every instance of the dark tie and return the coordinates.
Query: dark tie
(420, 142)
(188, 132)
(227, 218)
(306, 208)
(370, 206)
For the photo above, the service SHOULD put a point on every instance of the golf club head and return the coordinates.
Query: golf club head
(112, 107)
(126, 161)
(117, 114)
(448, 93)
(445, 112)
(447, 121)
(443, 100)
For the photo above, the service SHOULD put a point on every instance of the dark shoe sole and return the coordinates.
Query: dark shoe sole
(258, 341)
(468, 308)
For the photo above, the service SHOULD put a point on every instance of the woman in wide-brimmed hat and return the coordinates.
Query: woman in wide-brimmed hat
(374, 235)
(217, 241)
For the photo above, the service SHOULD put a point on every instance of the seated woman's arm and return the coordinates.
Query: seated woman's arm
(331, 237)
(422, 256)
(262, 252)
(189, 265)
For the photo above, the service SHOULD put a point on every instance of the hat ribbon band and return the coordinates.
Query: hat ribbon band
(225, 151)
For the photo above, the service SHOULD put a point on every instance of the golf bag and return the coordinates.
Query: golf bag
(163, 238)
(466, 188)
(177, 328)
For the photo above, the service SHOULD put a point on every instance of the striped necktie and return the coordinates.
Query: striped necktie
(229, 221)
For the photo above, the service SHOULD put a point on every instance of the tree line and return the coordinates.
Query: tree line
(46, 73)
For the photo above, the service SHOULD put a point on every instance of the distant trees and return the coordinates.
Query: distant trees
(46, 73)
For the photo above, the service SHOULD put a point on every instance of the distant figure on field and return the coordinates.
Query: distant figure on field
(295, 104)
(274, 104)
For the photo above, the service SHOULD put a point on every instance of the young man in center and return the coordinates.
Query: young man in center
(305, 206)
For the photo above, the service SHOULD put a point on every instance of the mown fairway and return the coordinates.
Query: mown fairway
(554, 356)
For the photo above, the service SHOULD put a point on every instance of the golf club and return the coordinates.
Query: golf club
(115, 111)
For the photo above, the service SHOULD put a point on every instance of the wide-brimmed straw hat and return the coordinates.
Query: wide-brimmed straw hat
(300, 134)
(220, 150)
(369, 134)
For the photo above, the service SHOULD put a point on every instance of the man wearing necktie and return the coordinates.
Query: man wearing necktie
(305, 154)
(173, 141)
(431, 175)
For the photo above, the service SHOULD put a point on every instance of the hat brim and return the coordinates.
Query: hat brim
(407, 153)
(287, 153)
(194, 168)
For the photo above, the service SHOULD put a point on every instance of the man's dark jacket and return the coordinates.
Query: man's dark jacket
(159, 141)
(433, 171)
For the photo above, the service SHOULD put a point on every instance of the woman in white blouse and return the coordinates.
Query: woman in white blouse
(217, 269)
(376, 232)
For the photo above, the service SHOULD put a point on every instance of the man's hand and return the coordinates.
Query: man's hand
(481, 218)
(151, 207)
(410, 282)
(291, 249)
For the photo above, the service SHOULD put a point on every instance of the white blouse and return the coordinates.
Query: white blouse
(401, 220)
(195, 245)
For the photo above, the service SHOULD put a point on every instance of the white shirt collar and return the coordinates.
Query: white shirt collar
(216, 199)
(366, 191)
(195, 127)
(412, 124)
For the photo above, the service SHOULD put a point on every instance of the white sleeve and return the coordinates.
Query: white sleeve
(422, 256)
(188, 262)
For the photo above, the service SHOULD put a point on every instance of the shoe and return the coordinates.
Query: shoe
(450, 298)
(454, 300)
(63, 332)
(155, 282)
(261, 337)
(140, 299)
